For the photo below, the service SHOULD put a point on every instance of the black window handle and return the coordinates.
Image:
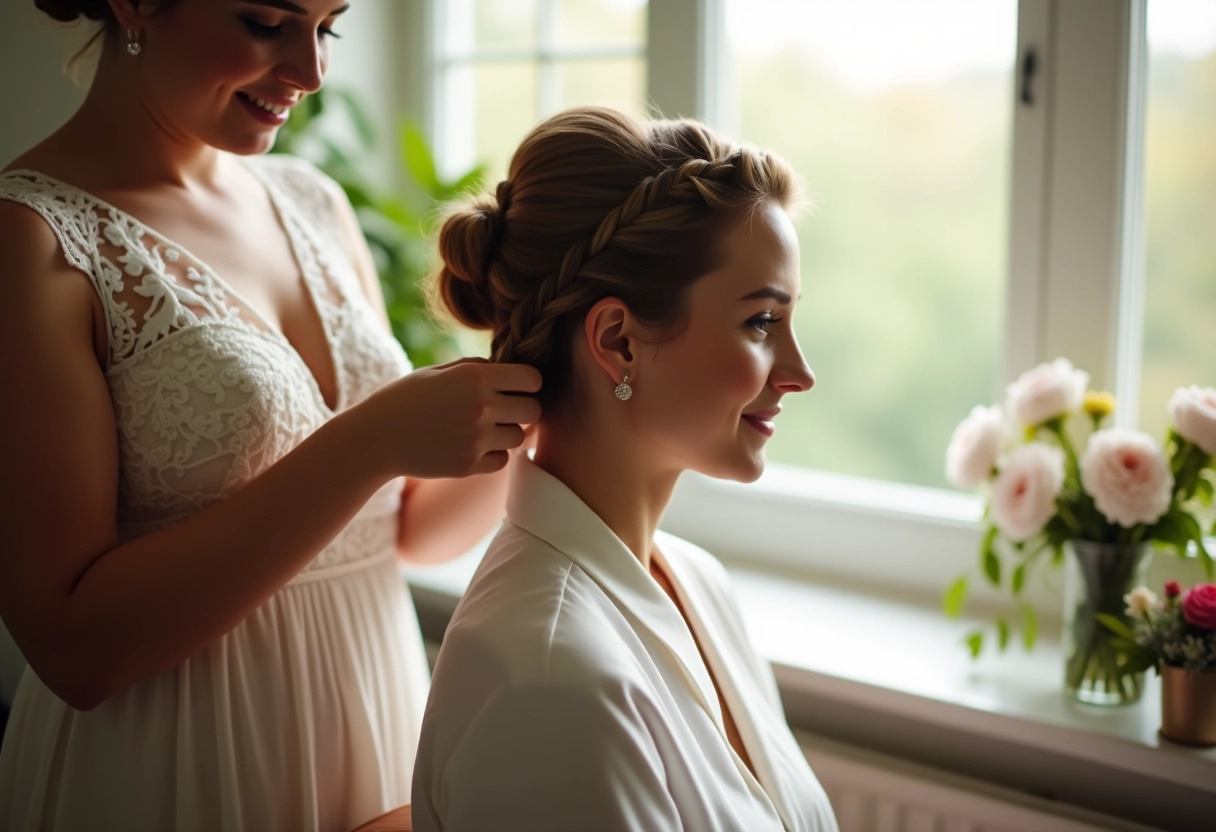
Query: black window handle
(1030, 65)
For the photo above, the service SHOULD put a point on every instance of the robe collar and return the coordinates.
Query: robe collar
(544, 506)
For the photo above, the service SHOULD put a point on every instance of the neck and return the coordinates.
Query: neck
(606, 467)
(116, 124)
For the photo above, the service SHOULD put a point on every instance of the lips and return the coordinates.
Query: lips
(762, 420)
(266, 110)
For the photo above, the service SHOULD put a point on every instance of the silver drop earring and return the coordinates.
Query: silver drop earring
(133, 47)
(623, 391)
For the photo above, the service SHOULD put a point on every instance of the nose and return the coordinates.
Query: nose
(305, 64)
(791, 373)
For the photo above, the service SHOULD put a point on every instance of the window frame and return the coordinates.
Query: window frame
(1074, 288)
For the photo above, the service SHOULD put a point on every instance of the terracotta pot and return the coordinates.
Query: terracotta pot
(1188, 706)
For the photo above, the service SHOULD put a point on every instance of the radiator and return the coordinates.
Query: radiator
(871, 793)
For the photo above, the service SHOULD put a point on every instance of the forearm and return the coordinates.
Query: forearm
(442, 519)
(149, 604)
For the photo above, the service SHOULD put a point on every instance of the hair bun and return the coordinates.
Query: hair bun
(467, 242)
(68, 11)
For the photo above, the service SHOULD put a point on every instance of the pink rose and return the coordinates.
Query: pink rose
(975, 446)
(1047, 391)
(1128, 476)
(1193, 411)
(1199, 606)
(1025, 490)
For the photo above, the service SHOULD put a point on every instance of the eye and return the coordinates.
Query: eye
(261, 30)
(265, 31)
(763, 321)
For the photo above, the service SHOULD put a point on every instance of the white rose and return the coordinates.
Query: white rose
(1193, 411)
(1128, 476)
(1139, 601)
(975, 446)
(1047, 391)
(1025, 490)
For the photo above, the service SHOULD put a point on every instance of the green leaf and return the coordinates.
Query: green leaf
(1057, 554)
(1204, 490)
(991, 563)
(1138, 662)
(952, 599)
(1030, 626)
(1115, 625)
(1019, 579)
(1002, 634)
(975, 643)
(418, 159)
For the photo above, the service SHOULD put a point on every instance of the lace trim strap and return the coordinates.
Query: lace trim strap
(75, 238)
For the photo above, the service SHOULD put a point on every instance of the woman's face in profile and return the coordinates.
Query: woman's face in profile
(228, 72)
(707, 399)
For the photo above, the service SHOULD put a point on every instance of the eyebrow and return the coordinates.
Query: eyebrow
(288, 6)
(768, 292)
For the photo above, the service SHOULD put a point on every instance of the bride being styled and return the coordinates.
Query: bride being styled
(597, 673)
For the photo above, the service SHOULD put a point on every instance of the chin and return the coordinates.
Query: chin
(738, 470)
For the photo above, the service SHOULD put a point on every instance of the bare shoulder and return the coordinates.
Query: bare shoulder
(38, 282)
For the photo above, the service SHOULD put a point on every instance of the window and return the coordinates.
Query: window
(1179, 205)
(503, 65)
(902, 133)
(976, 168)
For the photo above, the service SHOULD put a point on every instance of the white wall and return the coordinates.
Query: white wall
(36, 94)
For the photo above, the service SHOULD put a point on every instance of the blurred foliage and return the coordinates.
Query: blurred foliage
(332, 130)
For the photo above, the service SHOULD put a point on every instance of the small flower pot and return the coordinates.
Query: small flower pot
(1188, 706)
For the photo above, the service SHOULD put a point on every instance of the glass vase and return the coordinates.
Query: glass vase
(1096, 577)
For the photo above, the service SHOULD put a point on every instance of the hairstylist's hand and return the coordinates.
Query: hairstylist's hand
(456, 419)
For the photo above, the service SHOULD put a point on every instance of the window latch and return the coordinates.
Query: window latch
(1030, 65)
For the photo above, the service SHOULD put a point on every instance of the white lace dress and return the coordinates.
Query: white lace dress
(306, 716)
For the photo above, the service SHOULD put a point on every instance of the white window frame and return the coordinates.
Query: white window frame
(454, 134)
(1074, 289)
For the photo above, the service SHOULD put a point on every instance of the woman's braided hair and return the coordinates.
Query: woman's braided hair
(597, 204)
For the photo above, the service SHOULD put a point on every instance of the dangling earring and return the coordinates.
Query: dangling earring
(133, 47)
(623, 391)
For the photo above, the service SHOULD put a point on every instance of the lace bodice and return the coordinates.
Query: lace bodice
(207, 394)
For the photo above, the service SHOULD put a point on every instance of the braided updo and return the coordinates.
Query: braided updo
(67, 11)
(597, 204)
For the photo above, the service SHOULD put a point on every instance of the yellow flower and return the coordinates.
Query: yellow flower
(1098, 404)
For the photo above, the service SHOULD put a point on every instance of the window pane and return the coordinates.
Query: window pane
(499, 24)
(898, 116)
(599, 23)
(506, 111)
(619, 83)
(1180, 208)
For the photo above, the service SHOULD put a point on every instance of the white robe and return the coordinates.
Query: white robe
(569, 693)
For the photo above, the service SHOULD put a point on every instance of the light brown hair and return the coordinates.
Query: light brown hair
(598, 204)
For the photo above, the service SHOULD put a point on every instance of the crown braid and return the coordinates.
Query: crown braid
(530, 327)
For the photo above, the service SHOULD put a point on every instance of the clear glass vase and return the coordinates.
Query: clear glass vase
(1096, 577)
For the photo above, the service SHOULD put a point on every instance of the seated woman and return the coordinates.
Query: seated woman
(597, 675)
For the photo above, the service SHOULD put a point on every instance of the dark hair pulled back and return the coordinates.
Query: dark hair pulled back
(67, 11)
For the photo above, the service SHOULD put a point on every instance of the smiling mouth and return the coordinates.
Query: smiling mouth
(761, 422)
(276, 110)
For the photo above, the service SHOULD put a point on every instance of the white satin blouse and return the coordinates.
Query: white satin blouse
(569, 693)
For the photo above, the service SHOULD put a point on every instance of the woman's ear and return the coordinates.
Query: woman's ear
(127, 13)
(609, 330)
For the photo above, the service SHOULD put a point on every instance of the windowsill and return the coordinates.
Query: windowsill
(893, 676)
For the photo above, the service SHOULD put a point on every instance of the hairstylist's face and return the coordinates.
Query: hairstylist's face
(228, 72)
(707, 399)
